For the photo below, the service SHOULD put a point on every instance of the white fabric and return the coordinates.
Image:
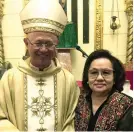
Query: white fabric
(49, 10)
(126, 88)
(33, 92)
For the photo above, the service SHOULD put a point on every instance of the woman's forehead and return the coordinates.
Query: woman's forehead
(101, 63)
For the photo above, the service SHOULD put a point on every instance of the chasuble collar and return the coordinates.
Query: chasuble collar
(24, 66)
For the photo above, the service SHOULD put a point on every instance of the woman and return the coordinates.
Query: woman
(101, 104)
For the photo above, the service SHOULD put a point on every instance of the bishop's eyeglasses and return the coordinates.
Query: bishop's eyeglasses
(105, 73)
(40, 44)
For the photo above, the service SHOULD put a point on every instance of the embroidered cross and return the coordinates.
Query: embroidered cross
(41, 106)
(40, 82)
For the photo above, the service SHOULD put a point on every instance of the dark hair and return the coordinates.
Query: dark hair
(119, 71)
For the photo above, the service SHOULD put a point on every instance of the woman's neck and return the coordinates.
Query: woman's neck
(97, 101)
(97, 97)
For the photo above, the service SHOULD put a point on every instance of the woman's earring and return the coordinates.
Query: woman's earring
(87, 83)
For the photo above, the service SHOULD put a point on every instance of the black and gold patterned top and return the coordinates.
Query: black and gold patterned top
(115, 114)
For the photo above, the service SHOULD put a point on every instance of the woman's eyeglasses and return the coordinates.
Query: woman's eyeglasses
(39, 45)
(105, 73)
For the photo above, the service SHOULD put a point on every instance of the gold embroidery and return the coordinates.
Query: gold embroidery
(41, 106)
(31, 29)
(110, 116)
(25, 104)
(43, 20)
(41, 129)
(40, 82)
(55, 102)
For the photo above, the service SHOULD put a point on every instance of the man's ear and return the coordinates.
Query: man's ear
(25, 41)
(57, 42)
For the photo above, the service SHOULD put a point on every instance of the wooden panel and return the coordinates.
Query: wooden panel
(74, 14)
(86, 21)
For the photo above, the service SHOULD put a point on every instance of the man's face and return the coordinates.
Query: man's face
(41, 47)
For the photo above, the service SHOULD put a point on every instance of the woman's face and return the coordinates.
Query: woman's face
(100, 75)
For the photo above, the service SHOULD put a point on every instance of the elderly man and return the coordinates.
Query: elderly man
(39, 95)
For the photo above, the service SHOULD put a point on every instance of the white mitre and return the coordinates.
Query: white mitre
(43, 15)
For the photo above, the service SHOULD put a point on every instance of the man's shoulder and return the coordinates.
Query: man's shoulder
(69, 77)
(11, 72)
(66, 72)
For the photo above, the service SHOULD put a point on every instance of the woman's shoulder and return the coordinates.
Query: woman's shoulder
(127, 96)
(121, 99)
(82, 96)
(124, 96)
(83, 93)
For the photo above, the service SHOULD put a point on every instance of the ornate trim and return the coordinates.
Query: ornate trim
(2, 58)
(42, 20)
(115, 105)
(55, 102)
(25, 104)
(98, 43)
(129, 12)
(31, 29)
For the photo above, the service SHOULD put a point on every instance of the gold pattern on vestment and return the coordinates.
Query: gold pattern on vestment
(55, 102)
(41, 106)
(43, 20)
(36, 28)
(40, 82)
(25, 104)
